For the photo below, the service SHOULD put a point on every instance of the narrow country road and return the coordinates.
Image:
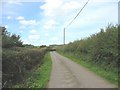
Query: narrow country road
(67, 74)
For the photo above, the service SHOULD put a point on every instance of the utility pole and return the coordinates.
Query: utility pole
(73, 20)
(64, 36)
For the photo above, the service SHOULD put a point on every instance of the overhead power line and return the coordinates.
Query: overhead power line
(73, 20)
(77, 14)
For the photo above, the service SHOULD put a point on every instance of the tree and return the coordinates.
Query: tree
(9, 40)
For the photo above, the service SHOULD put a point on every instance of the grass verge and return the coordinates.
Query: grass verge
(108, 75)
(40, 76)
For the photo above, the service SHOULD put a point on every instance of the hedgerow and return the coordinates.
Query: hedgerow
(100, 49)
(18, 60)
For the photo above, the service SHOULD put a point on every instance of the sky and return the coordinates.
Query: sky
(41, 22)
(119, 12)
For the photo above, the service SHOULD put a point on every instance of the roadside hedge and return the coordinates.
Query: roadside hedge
(18, 59)
(17, 62)
(100, 48)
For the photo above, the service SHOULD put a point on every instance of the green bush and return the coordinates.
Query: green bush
(17, 63)
(100, 48)
(17, 59)
(8, 40)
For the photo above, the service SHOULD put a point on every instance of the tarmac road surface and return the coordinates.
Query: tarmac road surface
(68, 74)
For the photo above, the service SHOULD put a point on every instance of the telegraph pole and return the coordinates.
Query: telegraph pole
(73, 20)
(64, 36)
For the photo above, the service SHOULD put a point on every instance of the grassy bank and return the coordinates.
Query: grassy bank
(39, 77)
(108, 75)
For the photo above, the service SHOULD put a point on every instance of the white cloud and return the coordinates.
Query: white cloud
(20, 18)
(55, 39)
(96, 15)
(33, 31)
(12, 2)
(25, 41)
(50, 24)
(65, 9)
(104, 0)
(50, 7)
(60, 7)
(6, 26)
(71, 5)
(21, 31)
(24, 22)
(9, 17)
(34, 35)
(17, 2)
(46, 34)
(27, 22)
(32, 39)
